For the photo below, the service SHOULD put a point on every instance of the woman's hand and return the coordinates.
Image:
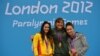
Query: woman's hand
(74, 52)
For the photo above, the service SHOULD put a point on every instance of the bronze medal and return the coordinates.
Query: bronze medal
(59, 44)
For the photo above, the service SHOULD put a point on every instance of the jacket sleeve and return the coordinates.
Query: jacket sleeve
(35, 44)
(84, 46)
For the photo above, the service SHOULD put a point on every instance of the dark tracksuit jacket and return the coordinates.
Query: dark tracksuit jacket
(63, 49)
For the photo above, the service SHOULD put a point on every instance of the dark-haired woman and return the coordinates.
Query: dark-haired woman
(60, 39)
(77, 42)
(42, 45)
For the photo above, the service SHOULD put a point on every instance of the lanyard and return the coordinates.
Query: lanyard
(59, 37)
(46, 41)
(72, 41)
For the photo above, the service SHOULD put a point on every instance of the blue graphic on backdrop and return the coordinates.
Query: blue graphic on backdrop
(20, 19)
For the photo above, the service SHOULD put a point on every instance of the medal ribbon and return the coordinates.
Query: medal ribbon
(59, 37)
(46, 43)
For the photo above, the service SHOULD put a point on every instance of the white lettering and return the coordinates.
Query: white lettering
(16, 10)
(7, 9)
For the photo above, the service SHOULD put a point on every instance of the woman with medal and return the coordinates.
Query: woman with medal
(42, 45)
(77, 42)
(60, 39)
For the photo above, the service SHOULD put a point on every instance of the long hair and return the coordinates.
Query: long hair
(42, 31)
(57, 20)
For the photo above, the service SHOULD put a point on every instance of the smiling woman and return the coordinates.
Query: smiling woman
(34, 9)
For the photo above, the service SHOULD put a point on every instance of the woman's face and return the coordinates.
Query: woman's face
(46, 28)
(59, 24)
(70, 30)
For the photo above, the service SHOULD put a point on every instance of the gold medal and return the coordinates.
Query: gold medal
(59, 44)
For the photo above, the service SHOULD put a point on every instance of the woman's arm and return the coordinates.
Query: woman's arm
(35, 44)
(84, 46)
